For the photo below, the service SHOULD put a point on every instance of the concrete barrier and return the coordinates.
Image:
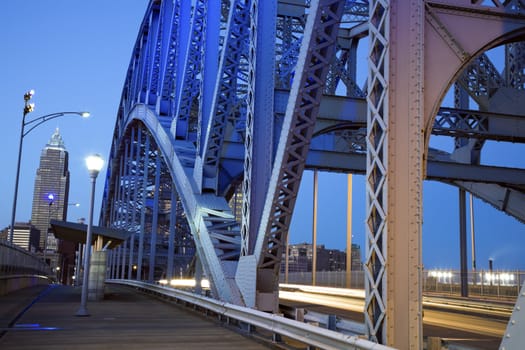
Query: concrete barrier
(12, 283)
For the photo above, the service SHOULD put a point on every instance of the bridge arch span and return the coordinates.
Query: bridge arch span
(203, 212)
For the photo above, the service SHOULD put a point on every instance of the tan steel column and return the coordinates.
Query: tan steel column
(405, 175)
(395, 148)
(349, 232)
(314, 233)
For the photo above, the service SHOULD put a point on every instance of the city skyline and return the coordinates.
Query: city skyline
(75, 67)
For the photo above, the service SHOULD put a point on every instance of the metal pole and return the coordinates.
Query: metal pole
(314, 232)
(82, 311)
(349, 231)
(472, 237)
(27, 97)
(463, 243)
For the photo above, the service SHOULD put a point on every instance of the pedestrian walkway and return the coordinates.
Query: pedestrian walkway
(125, 319)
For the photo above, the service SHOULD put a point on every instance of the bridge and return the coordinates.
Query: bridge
(226, 103)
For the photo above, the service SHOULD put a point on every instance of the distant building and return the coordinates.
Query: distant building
(301, 255)
(25, 236)
(50, 196)
(236, 204)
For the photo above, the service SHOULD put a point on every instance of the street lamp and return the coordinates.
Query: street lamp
(94, 164)
(51, 198)
(33, 123)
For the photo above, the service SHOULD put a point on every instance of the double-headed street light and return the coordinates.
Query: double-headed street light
(94, 164)
(33, 123)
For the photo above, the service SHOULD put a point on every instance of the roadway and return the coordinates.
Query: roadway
(478, 325)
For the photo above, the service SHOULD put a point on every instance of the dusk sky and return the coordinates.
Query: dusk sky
(75, 55)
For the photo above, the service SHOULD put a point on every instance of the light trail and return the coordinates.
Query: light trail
(452, 314)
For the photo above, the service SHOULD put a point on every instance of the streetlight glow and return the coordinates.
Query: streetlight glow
(94, 164)
(33, 123)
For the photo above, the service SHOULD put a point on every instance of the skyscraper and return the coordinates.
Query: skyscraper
(50, 196)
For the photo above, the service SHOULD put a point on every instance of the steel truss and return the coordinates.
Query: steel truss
(229, 101)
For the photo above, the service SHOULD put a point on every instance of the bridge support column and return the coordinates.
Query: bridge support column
(395, 149)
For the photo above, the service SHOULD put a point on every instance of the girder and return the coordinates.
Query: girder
(212, 224)
(228, 107)
(479, 125)
(237, 98)
(184, 125)
(438, 39)
(317, 48)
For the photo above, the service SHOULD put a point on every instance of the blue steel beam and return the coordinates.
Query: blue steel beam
(318, 45)
(229, 105)
(217, 243)
(184, 125)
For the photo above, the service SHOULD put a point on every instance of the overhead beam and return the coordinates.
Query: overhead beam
(436, 170)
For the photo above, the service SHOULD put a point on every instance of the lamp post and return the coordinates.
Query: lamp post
(33, 123)
(94, 164)
(51, 198)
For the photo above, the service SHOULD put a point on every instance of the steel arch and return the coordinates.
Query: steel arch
(224, 127)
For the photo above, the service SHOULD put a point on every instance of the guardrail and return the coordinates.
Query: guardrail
(328, 321)
(276, 324)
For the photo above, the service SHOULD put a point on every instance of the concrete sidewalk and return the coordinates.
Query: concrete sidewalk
(124, 319)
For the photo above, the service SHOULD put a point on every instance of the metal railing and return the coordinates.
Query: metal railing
(276, 324)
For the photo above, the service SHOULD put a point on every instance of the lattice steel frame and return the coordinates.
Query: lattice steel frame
(377, 166)
(317, 49)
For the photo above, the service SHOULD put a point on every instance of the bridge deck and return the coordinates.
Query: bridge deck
(123, 319)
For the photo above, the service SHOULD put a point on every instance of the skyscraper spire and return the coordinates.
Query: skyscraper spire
(56, 141)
